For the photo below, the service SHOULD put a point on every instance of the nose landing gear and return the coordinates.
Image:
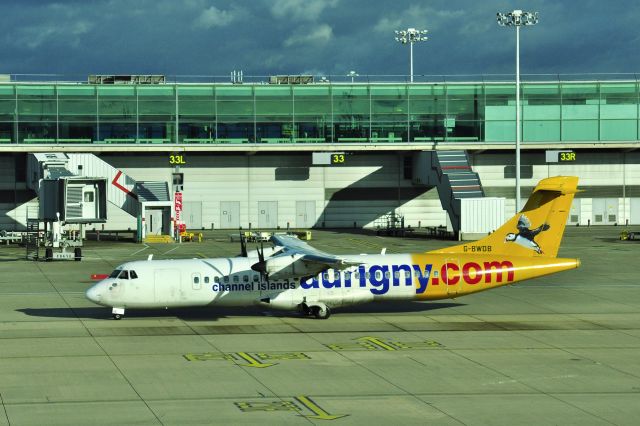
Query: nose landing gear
(117, 313)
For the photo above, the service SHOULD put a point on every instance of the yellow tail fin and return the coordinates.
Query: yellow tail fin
(537, 229)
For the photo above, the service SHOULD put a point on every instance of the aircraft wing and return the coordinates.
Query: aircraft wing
(298, 259)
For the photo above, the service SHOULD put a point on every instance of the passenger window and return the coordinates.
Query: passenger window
(133, 275)
(256, 278)
(196, 280)
(386, 274)
(226, 279)
(124, 275)
(325, 275)
(245, 278)
(357, 275)
(378, 275)
(396, 274)
(236, 279)
(206, 280)
(367, 275)
(216, 279)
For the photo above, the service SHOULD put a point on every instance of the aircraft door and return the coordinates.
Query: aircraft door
(452, 277)
(196, 281)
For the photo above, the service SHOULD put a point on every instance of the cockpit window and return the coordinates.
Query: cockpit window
(133, 275)
(115, 273)
(124, 275)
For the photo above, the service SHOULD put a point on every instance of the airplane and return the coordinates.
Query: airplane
(294, 276)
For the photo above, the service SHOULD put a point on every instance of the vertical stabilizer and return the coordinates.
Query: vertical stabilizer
(537, 229)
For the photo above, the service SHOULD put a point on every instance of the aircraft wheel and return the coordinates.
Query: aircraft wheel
(321, 312)
(117, 316)
(305, 309)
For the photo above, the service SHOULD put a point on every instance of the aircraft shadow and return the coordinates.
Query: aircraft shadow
(215, 313)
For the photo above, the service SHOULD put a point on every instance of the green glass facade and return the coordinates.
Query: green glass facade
(317, 113)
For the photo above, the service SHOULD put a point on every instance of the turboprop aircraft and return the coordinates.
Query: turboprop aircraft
(292, 275)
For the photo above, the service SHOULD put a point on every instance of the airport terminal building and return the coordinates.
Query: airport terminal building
(302, 152)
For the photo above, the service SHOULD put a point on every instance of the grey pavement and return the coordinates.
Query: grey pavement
(559, 350)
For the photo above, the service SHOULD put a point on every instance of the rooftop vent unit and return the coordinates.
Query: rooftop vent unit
(291, 79)
(126, 79)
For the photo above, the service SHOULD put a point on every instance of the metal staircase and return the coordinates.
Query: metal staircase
(452, 174)
(31, 242)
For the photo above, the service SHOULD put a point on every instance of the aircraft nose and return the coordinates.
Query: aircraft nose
(94, 294)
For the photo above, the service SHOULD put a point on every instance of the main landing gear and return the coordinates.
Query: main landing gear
(318, 310)
(117, 313)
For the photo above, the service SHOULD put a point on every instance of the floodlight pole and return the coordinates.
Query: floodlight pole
(518, 129)
(517, 18)
(411, 35)
(411, 61)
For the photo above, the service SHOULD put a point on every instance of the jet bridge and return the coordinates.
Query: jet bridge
(63, 195)
(75, 189)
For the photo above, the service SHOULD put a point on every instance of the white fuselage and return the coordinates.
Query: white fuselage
(232, 282)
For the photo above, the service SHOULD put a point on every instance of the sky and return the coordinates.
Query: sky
(319, 37)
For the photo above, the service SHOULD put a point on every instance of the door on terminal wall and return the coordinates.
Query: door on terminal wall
(153, 221)
(267, 214)
(605, 211)
(230, 214)
(305, 214)
(635, 211)
(192, 214)
(574, 213)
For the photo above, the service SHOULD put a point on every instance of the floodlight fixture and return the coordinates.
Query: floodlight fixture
(411, 36)
(517, 18)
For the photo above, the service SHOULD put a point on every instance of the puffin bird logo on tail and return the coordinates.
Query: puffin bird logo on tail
(525, 236)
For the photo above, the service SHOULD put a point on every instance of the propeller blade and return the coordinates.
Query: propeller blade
(243, 245)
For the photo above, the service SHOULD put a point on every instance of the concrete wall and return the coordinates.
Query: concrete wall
(369, 186)
(603, 174)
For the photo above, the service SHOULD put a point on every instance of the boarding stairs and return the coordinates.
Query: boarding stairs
(451, 173)
(31, 239)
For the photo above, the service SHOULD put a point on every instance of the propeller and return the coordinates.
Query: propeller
(261, 265)
(243, 245)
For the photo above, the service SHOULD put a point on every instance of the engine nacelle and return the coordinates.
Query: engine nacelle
(283, 267)
(268, 252)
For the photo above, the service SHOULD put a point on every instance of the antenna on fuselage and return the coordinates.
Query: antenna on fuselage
(150, 257)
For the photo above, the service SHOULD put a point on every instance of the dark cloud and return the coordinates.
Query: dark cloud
(262, 37)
